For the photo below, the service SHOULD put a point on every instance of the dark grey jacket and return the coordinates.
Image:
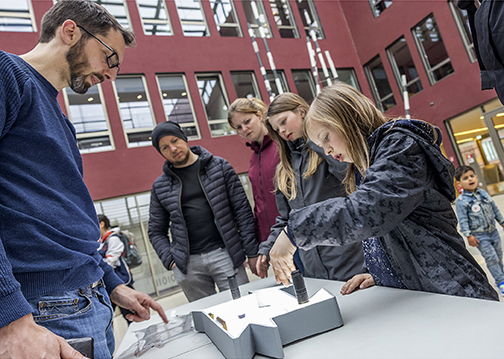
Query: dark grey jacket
(231, 208)
(405, 201)
(328, 262)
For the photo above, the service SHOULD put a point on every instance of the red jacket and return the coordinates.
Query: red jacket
(263, 163)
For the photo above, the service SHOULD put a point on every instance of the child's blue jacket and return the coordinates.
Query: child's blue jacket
(477, 212)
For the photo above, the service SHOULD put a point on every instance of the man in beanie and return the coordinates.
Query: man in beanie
(200, 200)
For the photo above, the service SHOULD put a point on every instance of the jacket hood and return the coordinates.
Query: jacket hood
(203, 155)
(429, 141)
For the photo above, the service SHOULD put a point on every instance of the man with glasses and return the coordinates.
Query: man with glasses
(53, 282)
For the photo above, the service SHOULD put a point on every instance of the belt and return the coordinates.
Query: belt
(97, 283)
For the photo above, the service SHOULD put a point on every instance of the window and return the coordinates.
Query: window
(402, 64)
(154, 17)
(283, 81)
(378, 6)
(89, 117)
(305, 83)
(245, 84)
(380, 87)
(282, 14)
(216, 104)
(118, 9)
(136, 112)
(430, 45)
(308, 6)
(177, 103)
(17, 16)
(192, 17)
(465, 31)
(265, 30)
(225, 18)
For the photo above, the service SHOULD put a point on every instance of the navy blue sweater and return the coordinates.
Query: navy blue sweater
(48, 224)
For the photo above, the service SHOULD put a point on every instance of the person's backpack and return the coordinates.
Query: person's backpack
(487, 27)
(130, 254)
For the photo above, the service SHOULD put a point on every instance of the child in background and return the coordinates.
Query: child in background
(477, 214)
(399, 204)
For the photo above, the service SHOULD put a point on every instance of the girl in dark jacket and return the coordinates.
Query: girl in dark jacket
(400, 192)
(321, 180)
(246, 117)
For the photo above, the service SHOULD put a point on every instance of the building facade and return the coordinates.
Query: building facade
(194, 57)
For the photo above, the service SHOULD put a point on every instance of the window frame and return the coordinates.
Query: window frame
(292, 26)
(104, 3)
(468, 44)
(374, 88)
(148, 21)
(374, 3)
(148, 98)
(254, 26)
(189, 97)
(396, 71)
(423, 54)
(255, 84)
(235, 24)
(194, 22)
(319, 31)
(21, 15)
(86, 135)
(226, 100)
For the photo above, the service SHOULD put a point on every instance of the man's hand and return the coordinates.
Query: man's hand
(137, 302)
(473, 241)
(262, 266)
(23, 338)
(362, 281)
(281, 259)
(252, 262)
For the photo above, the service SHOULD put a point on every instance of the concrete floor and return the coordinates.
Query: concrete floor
(178, 298)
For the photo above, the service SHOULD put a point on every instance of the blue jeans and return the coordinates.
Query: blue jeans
(491, 249)
(206, 270)
(79, 313)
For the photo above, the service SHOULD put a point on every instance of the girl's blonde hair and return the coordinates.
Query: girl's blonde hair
(354, 117)
(285, 175)
(245, 105)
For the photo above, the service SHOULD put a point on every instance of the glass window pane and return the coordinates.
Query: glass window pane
(16, 16)
(402, 64)
(378, 6)
(176, 103)
(348, 76)
(308, 6)
(380, 84)
(154, 17)
(118, 9)
(192, 17)
(305, 86)
(462, 20)
(252, 21)
(88, 116)
(136, 112)
(283, 81)
(245, 84)
(225, 17)
(430, 44)
(215, 103)
(282, 14)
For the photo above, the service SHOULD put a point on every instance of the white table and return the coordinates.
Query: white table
(379, 322)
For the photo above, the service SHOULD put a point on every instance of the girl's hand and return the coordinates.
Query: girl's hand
(281, 261)
(361, 281)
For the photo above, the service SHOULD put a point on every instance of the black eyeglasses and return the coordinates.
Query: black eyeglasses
(113, 59)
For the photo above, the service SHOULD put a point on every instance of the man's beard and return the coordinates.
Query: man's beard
(182, 161)
(77, 62)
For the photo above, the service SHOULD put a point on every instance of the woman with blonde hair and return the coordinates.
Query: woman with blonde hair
(246, 117)
(305, 176)
(400, 192)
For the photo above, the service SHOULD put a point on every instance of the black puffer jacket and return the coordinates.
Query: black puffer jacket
(231, 208)
(405, 201)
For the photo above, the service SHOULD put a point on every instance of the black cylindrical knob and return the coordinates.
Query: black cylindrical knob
(299, 287)
(233, 287)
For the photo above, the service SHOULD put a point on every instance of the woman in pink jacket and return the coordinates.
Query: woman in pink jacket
(246, 117)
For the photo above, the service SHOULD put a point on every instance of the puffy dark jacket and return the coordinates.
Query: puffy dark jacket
(263, 164)
(326, 262)
(405, 200)
(231, 208)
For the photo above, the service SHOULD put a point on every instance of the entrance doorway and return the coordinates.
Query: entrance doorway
(478, 138)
